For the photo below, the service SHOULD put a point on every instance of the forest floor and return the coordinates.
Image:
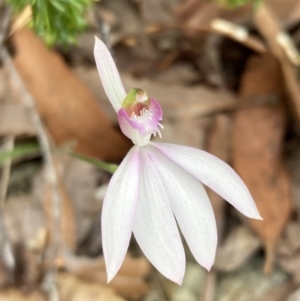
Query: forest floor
(228, 83)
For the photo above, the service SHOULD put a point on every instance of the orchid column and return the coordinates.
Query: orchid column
(158, 184)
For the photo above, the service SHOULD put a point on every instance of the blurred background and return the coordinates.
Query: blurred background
(226, 74)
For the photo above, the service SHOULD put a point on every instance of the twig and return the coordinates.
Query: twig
(219, 26)
(6, 249)
(237, 33)
(288, 46)
(21, 19)
(49, 286)
(8, 146)
(109, 167)
(50, 171)
(9, 141)
(4, 25)
(210, 287)
(269, 27)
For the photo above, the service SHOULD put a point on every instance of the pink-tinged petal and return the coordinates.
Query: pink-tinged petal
(129, 131)
(155, 227)
(191, 206)
(214, 173)
(155, 109)
(118, 211)
(109, 75)
(147, 123)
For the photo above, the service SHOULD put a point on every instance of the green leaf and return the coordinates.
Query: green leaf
(237, 3)
(33, 148)
(56, 21)
(109, 167)
(19, 151)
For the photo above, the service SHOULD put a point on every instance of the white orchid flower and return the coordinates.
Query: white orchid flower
(158, 184)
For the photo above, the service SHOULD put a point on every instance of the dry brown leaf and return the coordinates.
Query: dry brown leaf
(197, 101)
(180, 73)
(24, 220)
(129, 281)
(13, 294)
(195, 13)
(288, 252)
(28, 270)
(295, 296)
(287, 11)
(71, 288)
(268, 25)
(157, 11)
(293, 165)
(279, 293)
(69, 110)
(6, 275)
(186, 8)
(15, 121)
(238, 247)
(291, 264)
(203, 15)
(257, 143)
(25, 224)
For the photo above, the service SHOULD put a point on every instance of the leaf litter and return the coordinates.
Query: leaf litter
(237, 99)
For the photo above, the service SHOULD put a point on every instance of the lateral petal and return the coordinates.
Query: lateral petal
(146, 124)
(191, 206)
(214, 173)
(130, 131)
(118, 211)
(109, 75)
(155, 228)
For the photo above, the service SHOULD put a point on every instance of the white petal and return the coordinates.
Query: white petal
(191, 206)
(118, 211)
(131, 132)
(155, 227)
(214, 173)
(109, 75)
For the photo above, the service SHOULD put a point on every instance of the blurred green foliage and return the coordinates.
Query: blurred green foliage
(237, 3)
(56, 21)
(109, 167)
(19, 151)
